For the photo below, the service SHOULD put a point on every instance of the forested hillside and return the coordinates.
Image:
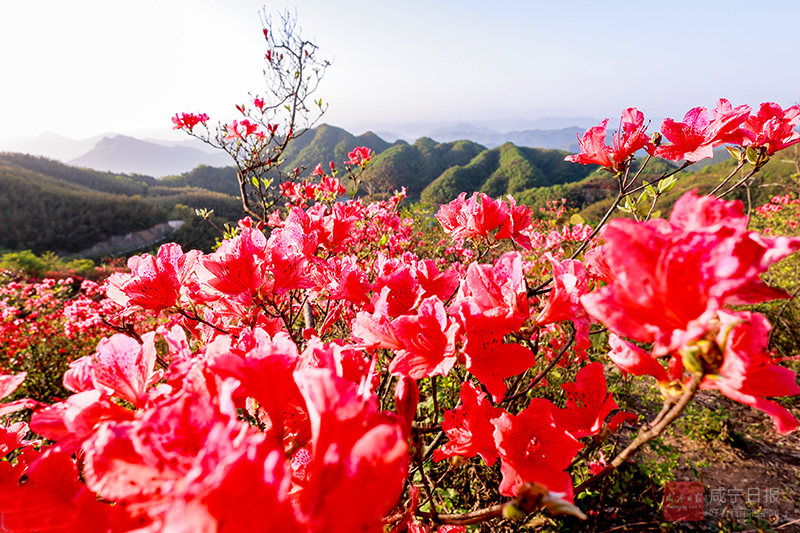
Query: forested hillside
(46, 205)
(507, 169)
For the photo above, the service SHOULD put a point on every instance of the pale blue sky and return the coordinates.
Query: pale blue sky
(85, 67)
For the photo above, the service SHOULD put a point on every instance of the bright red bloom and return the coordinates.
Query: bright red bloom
(695, 137)
(563, 303)
(52, 498)
(432, 282)
(360, 457)
(633, 360)
(238, 267)
(375, 331)
(12, 437)
(534, 449)
(518, 220)
(125, 368)
(491, 303)
(593, 148)
(188, 120)
(8, 384)
(406, 399)
(359, 156)
(631, 137)
(462, 218)
(705, 248)
(154, 283)
(428, 340)
(469, 427)
(588, 403)
(265, 373)
(72, 421)
(747, 373)
(772, 127)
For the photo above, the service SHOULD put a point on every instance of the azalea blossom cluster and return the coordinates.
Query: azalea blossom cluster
(769, 130)
(53, 312)
(295, 369)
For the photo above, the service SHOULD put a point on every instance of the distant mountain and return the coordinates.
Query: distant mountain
(132, 156)
(50, 145)
(561, 139)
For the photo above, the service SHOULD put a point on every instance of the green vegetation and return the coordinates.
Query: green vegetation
(415, 166)
(507, 169)
(48, 206)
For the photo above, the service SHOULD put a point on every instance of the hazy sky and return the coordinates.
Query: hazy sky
(85, 67)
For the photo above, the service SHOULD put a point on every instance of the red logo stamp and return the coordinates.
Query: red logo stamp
(683, 501)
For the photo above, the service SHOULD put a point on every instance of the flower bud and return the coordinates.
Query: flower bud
(656, 138)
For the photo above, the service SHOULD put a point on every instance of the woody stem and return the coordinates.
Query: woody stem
(646, 436)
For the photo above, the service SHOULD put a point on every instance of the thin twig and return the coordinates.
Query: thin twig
(732, 174)
(544, 372)
(647, 435)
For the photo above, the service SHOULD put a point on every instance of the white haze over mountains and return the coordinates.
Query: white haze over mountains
(164, 152)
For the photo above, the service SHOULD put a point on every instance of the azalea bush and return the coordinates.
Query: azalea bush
(328, 368)
(46, 324)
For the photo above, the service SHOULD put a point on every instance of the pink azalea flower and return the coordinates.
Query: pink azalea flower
(265, 373)
(563, 303)
(469, 427)
(359, 156)
(188, 120)
(125, 368)
(695, 137)
(238, 267)
(463, 219)
(747, 373)
(534, 449)
(588, 403)
(428, 340)
(704, 248)
(633, 360)
(154, 283)
(631, 137)
(772, 127)
(360, 456)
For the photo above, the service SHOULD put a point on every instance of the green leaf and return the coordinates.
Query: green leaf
(667, 184)
(254, 179)
(650, 191)
(752, 155)
(735, 153)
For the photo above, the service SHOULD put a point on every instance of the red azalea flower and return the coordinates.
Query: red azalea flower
(188, 120)
(588, 403)
(772, 127)
(462, 218)
(563, 303)
(154, 283)
(631, 137)
(428, 340)
(360, 456)
(125, 368)
(747, 373)
(704, 248)
(695, 137)
(359, 156)
(533, 449)
(469, 427)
